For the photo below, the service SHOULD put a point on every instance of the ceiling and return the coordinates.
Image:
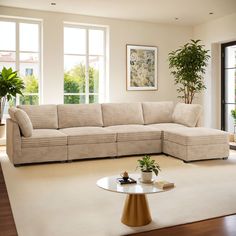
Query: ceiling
(188, 12)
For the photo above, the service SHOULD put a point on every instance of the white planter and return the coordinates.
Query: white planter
(2, 130)
(146, 176)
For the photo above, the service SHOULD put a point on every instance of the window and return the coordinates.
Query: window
(228, 92)
(84, 64)
(20, 49)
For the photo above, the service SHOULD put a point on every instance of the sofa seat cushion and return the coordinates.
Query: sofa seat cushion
(134, 132)
(166, 126)
(122, 114)
(42, 116)
(44, 138)
(196, 136)
(87, 135)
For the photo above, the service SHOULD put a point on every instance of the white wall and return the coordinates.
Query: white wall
(213, 34)
(121, 32)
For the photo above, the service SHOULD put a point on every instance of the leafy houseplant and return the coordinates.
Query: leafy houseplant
(10, 86)
(188, 66)
(233, 114)
(147, 166)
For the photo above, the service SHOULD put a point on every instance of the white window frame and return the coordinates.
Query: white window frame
(102, 93)
(17, 21)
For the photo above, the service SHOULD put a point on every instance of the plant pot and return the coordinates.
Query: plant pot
(2, 130)
(146, 176)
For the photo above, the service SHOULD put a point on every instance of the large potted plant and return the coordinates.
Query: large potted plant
(147, 167)
(10, 86)
(188, 64)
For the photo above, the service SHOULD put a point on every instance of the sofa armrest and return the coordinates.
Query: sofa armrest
(13, 137)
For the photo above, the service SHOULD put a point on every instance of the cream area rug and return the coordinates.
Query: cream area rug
(63, 199)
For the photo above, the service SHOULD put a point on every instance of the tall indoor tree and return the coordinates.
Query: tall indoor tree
(188, 65)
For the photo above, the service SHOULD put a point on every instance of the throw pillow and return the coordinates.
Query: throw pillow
(187, 114)
(23, 121)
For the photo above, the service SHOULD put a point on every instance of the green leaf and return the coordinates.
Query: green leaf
(187, 65)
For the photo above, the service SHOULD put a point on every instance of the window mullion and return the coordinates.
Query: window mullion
(17, 55)
(87, 69)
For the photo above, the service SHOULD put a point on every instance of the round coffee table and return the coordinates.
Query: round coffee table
(136, 211)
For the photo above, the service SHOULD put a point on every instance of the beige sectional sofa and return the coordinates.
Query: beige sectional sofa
(47, 133)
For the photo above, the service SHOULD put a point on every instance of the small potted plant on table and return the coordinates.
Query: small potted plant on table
(147, 167)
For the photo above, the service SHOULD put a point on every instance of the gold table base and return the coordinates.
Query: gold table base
(136, 210)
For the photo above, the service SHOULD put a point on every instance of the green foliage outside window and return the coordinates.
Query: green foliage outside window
(31, 86)
(75, 82)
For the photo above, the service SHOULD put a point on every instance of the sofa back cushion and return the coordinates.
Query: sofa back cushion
(78, 115)
(157, 112)
(23, 120)
(122, 113)
(42, 116)
(187, 114)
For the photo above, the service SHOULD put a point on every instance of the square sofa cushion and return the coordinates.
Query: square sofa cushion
(157, 112)
(122, 113)
(23, 121)
(134, 132)
(44, 138)
(187, 114)
(89, 135)
(42, 116)
(196, 136)
(79, 115)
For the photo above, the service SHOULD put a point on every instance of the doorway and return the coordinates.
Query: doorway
(228, 86)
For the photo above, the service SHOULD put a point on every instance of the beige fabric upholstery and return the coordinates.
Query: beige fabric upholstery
(124, 133)
(11, 112)
(157, 112)
(91, 150)
(196, 136)
(196, 152)
(13, 138)
(187, 114)
(122, 113)
(77, 115)
(33, 153)
(42, 116)
(192, 144)
(44, 138)
(134, 132)
(85, 135)
(42, 154)
(166, 126)
(23, 121)
(139, 147)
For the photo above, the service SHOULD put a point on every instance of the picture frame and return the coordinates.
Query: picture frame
(141, 67)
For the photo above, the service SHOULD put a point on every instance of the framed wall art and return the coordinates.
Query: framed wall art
(141, 67)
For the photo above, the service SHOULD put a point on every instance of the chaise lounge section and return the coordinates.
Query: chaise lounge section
(47, 133)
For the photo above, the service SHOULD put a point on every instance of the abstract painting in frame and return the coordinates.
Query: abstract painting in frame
(141, 67)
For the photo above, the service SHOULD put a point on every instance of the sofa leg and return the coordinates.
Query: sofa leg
(225, 158)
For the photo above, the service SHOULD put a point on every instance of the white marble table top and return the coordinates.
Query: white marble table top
(110, 183)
